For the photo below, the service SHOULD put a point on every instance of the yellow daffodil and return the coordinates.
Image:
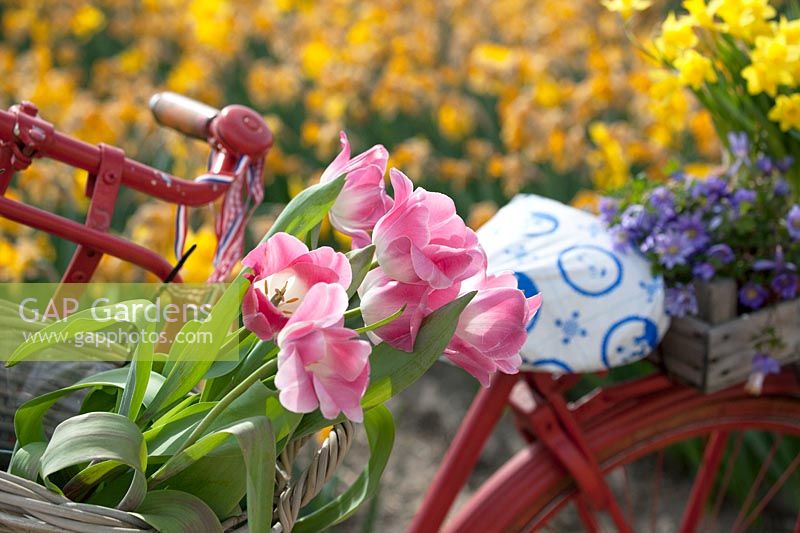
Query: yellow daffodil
(626, 8)
(786, 111)
(744, 18)
(87, 21)
(701, 13)
(455, 119)
(677, 34)
(694, 69)
(774, 62)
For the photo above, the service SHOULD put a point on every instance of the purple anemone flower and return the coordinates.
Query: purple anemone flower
(680, 300)
(712, 189)
(778, 264)
(704, 271)
(693, 229)
(662, 199)
(722, 253)
(620, 238)
(636, 220)
(609, 208)
(743, 196)
(753, 295)
(739, 144)
(782, 187)
(765, 164)
(793, 222)
(785, 164)
(673, 248)
(785, 285)
(764, 364)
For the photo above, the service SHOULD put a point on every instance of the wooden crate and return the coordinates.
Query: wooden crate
(715, 350)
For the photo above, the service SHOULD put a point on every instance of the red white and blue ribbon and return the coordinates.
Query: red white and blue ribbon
(245, 193)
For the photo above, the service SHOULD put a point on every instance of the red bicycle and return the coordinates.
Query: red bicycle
(579, 453)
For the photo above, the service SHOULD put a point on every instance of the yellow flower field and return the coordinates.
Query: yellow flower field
(481, 99)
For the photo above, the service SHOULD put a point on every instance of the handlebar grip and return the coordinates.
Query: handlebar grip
(183, 114)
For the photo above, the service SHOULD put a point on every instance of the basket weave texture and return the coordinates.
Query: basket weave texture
(26, 506)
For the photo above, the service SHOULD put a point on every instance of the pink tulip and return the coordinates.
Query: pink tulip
(320, 362)
(422, 239)
(491, 329)
(382, 296)
(283, 272)
(363, 199)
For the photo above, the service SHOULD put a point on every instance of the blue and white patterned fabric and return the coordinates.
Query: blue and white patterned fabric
(600, 309)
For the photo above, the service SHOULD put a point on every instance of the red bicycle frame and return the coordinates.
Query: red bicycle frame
(236, 131)
(542, 414)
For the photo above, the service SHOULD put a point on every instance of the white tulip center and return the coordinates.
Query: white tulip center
(284, 289)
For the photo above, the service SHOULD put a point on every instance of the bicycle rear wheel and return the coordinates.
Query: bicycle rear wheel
(636, 440)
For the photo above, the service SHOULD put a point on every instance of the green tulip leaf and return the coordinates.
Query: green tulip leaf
(307, 209)
(96, 437)
(177, 512)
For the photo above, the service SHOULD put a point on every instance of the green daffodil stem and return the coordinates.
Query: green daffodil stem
(267, 369)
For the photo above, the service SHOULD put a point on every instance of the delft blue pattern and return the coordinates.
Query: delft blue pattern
(570, 327)
(629, 340)
(600, 309)
(541, 224)
(528, 288)
(652, 288)
(603, 266)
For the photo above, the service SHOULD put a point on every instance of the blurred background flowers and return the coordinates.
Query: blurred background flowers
(477, 98)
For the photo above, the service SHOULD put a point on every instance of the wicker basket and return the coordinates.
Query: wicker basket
(715, 349)
(27, 506)
(25, 381)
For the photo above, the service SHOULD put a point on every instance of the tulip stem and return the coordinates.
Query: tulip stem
(267, 369)
(382, 322)
(350, 313)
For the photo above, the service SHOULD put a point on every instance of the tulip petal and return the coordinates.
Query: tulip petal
(260, 316)
(324, 306)
(274, 254)
(296, 387)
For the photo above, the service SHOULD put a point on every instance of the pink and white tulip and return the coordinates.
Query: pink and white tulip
(363, 199)
(321, 363)
(491, 329)
(283, 273)
(422, 239)
(381, 296)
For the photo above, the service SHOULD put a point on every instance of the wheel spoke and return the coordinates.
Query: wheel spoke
(723, 488)
(704, 480)
(628, 495)
(751, 494)
(587, 515)
(655, 503)
(772, 491)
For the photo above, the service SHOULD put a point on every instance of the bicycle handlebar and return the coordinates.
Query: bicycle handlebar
(183, 114)
(135, 175)
(236, 130)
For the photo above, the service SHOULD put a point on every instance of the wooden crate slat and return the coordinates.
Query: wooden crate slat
(729, 337)
(713, 357)
(687, 373)
(688, 349)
